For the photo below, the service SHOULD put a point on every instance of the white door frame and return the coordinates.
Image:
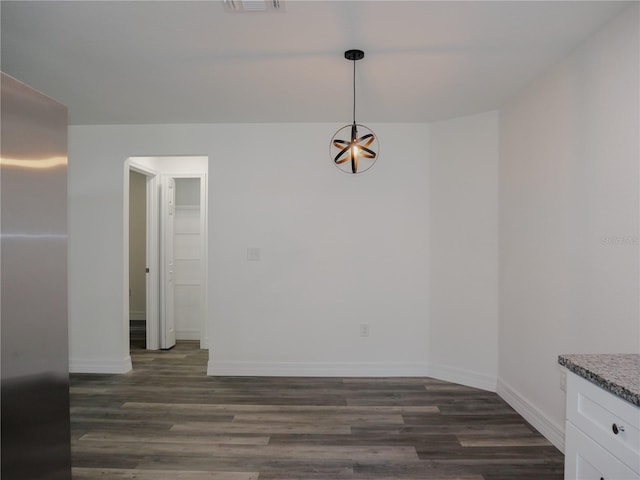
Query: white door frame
(152, 260)
(204, 238)
(153, 246)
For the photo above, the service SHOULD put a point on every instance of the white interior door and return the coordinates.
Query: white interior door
(188, 258)
(167, 310)
(152, 286)
(153, 262)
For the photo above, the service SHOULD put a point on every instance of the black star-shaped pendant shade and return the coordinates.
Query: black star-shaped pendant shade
(356, 148)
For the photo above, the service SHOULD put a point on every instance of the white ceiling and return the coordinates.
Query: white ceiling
(120, 62)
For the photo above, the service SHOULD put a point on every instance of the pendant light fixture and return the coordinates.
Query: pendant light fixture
(354, 147)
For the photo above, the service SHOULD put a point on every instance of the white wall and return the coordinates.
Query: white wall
(463, 245)
(569, 150)
(336, 250)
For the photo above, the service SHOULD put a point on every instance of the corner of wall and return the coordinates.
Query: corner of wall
(465, 377)
(551, 430)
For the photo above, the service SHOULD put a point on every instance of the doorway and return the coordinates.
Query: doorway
(142, 246)
(174, 252)
(137, 260)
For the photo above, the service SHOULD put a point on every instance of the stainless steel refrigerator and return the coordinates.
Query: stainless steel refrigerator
(33, 284)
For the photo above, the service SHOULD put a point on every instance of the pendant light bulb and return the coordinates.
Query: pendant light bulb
(354, 148)
(354, 159)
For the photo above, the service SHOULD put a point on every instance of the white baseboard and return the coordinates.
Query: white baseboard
(137, 315)
(321, 369)
(551, 430)
(324, 369)
(187, 334)
(92, 365)
(463, 377)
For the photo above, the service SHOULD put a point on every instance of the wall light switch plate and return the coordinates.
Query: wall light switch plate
(253, 254)
(364, 329)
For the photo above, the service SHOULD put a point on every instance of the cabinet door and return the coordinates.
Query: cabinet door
(586, 460)
(595, 412)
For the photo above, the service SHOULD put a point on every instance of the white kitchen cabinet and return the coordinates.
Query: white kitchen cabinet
(602, 440)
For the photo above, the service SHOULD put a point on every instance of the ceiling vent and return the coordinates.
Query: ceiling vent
(253, 6)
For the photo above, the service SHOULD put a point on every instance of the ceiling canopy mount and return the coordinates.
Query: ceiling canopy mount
(354, 55)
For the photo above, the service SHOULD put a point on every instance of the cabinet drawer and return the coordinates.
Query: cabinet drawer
(600, 415)
(586, 460)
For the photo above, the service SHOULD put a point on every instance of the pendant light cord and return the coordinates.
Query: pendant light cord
(354, 91)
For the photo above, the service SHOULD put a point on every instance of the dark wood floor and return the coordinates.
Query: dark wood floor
(168, 420)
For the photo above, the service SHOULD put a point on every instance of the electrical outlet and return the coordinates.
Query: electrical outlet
(364, 329)
(253, 254)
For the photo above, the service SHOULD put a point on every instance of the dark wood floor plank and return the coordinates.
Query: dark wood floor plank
(168, 420)
(236, 409)
(260, 428)
(131, 474)
(266, 466)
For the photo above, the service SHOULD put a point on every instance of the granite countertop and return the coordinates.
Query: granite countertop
(616, 373)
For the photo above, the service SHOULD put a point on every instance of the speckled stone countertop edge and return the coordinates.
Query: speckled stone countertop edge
(611, 386)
